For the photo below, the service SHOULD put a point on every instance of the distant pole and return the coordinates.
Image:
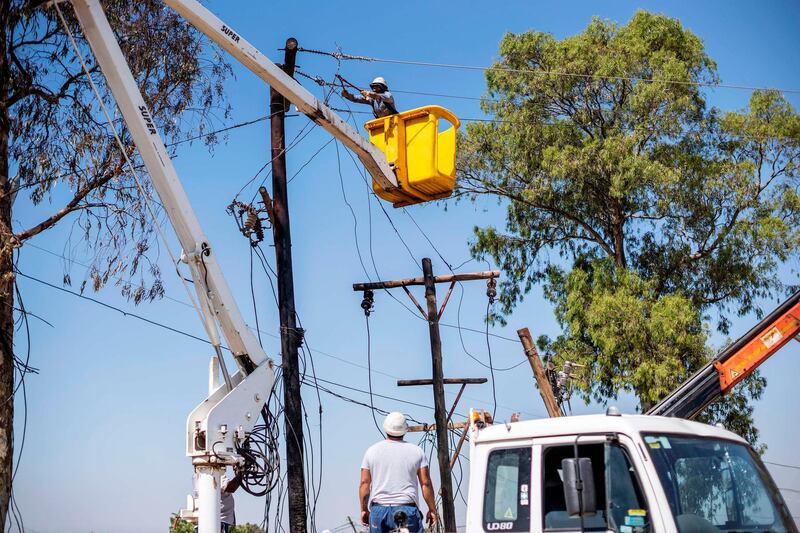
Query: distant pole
(538, 372)
(440, 410)
(290, 337)
(429, 281)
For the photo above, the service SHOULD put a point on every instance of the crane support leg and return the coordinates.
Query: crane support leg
(208, 496)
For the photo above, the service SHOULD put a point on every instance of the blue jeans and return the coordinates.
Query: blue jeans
(381, 518)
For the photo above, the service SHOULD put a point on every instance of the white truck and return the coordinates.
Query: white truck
(624, 473)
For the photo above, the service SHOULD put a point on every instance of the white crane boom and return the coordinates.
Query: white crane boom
(201, 18)
(220, 424)
(210, 284)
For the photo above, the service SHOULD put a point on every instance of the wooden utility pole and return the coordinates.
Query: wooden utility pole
(432, 315)
(538, 372)
(290, 335)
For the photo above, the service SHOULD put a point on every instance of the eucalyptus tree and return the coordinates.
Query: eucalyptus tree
(59, 160)
(645, 213)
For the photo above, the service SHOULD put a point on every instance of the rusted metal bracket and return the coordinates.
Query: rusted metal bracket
(447, 297)
(421, 310)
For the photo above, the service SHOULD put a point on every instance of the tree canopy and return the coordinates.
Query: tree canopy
(643, 211)
(59, 156)
(62, 151)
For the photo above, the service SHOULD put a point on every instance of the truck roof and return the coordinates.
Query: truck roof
(598, 424)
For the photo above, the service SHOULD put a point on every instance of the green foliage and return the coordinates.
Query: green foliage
(642, 211)
(629, 337)
(177, 525)
(247, 528)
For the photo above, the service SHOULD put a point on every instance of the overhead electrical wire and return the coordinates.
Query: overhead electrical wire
(439, 254)
(796, 467)
(339, 56)
(115, 308)
(176, 330)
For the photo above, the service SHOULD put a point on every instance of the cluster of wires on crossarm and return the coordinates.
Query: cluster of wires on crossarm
(251, 219)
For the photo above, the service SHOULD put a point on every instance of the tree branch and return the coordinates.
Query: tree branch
(72, 206)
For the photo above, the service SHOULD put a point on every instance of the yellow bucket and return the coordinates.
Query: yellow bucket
(424, 158)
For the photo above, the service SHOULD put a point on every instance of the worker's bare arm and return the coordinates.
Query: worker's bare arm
(425, 482)
(363, 494)
(233, 485)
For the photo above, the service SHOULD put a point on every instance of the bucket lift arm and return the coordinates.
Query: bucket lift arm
(201, 18)
(733, 364)
(219, 425)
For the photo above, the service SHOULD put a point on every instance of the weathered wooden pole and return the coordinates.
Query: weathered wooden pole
(538, 372)
(440, 410)
(290, 336)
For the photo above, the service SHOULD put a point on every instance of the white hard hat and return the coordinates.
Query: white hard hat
(395, 424)
(379, 81)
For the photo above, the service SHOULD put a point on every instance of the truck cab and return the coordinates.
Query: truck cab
(622, 473)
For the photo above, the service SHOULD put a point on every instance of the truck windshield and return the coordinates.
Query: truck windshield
(716, 485)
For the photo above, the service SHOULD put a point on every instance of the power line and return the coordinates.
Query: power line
(796, 467)
(117, 309)
(375, 394)
(167, 145)
(550, 73)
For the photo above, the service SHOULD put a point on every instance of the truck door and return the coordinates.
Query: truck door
(507, 490)
(620, 500)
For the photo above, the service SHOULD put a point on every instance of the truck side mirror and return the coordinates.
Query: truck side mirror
(579, 486)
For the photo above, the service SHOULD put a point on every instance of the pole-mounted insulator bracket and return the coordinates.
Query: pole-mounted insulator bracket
(491, 289)
(368, 303)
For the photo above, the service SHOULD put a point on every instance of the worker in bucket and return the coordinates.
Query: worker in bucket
(389, 474)
(378, 97)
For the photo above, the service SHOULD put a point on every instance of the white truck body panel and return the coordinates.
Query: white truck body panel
(539, 434)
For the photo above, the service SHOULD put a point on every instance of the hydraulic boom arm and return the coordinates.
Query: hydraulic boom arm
(734, 363)
(202, 19)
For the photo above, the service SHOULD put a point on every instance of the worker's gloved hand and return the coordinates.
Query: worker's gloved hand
(431, 518)
(365, 517)
(365, 93)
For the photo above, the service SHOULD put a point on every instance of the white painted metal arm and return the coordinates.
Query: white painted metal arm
(201, 18)
(211, 287)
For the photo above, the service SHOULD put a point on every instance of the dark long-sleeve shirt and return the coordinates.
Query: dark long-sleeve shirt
(382, 103)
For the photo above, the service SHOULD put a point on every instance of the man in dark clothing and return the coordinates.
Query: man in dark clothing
(379, 98)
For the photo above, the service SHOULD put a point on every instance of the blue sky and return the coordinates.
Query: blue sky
(104, 436)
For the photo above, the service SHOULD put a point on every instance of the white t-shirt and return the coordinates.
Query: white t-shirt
(393, 466)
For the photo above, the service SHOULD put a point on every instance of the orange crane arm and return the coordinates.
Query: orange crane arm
(775, 335)
(734, 363)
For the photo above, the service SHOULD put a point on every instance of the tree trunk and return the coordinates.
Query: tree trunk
(617, 228)
(6, 277)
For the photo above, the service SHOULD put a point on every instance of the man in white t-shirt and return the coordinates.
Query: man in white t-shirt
(389, 474)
